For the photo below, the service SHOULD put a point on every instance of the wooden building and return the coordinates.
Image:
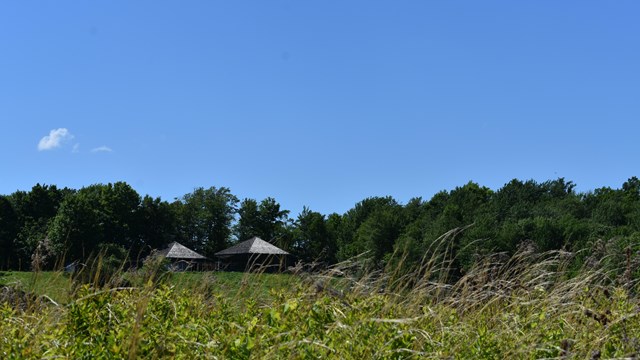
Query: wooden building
(182, 258)
(254, 254)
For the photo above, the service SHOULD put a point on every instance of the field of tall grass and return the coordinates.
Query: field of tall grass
(525, 306)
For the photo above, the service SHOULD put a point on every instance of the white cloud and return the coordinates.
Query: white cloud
(55, 139)
(76, 148)
(102, 149)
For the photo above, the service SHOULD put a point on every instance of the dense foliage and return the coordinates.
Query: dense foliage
(48, 226)
(519, 307)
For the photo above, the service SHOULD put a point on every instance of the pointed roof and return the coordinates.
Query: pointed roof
(179, 251)
(255, 245)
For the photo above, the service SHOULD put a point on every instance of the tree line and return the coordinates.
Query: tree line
(49, 226)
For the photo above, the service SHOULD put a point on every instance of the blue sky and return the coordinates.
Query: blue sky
(318, 103)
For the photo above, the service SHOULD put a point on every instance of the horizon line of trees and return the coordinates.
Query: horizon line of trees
(48, 225)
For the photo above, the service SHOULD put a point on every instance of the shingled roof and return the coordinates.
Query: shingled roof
(255, 245)
(179, 251)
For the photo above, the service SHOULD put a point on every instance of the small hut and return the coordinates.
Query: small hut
(253, 254)
(182, 258)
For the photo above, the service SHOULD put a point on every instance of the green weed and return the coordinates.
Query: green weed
(526, 306)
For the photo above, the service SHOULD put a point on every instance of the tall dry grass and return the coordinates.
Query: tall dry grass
(522, 306)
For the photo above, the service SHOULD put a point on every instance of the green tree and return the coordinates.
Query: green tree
(379, 232)
(265, 220)
(8, 233)
(249, 220)
(631, 187)
(35, 210)
(157, 225)
(206, 216)
(607, 207)
(97, 214)
(374, 238)
(273, 220)
(313, 241)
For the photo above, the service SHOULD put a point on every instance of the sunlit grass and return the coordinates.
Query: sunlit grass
(525, 306)
(54, 284)
(58, 285)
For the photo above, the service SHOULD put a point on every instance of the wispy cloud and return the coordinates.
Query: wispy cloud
(76, 148)
(55, 139)
(101, 149)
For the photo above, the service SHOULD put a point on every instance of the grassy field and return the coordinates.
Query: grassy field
(523, 307)
(58, 285)
(53, 284)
